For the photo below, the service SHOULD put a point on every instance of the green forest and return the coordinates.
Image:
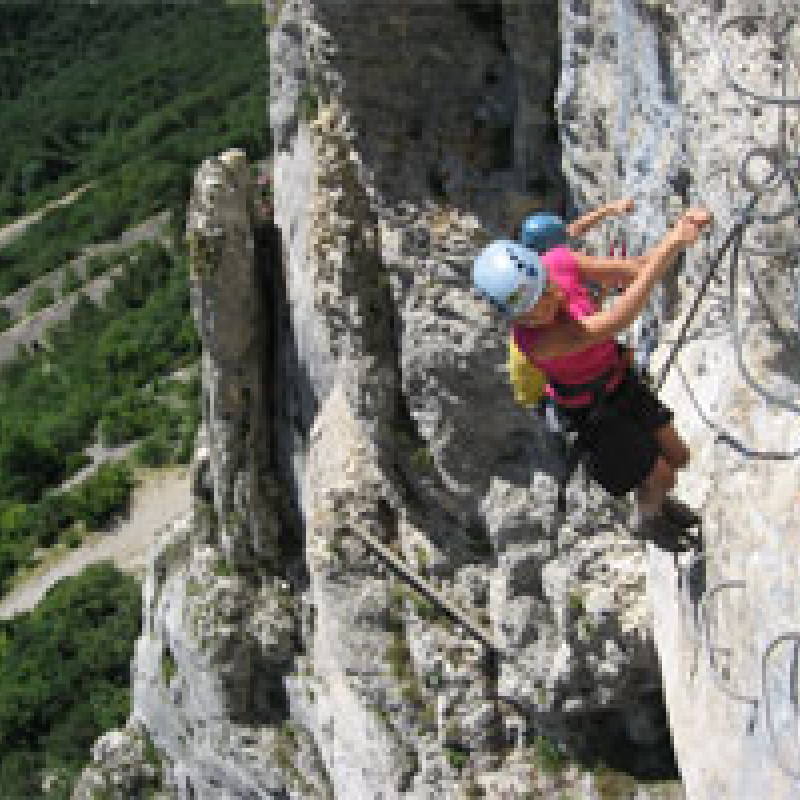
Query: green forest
(131, 97)
(128, 99)
(64, 679)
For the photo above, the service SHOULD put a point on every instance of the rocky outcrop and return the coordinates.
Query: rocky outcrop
(345, 366)
(124, 764)
(353, 386)
(658, 84)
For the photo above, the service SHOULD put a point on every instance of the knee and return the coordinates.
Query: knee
(672, 447)
(662, 477)
(681, 459)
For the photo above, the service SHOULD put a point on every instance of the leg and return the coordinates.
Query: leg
(652, 492)
(676, 454)
(672, 447)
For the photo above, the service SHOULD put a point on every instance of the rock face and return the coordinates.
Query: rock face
(124, 764)
(677, 104)
(354, 384)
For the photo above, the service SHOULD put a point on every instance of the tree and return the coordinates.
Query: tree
(64, 676)
(41, 297)
(70, 281)
(27, 465)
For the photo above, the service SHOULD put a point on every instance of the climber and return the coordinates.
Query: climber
(625, 430)
(543, 231)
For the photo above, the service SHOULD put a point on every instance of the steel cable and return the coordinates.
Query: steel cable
(792, 771)
(754, 703)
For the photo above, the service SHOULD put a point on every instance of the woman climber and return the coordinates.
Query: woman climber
(628, 435)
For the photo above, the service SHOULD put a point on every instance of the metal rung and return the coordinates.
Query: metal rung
(425, 588)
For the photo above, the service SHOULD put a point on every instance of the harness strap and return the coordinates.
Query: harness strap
(594, 386)
(597, 386)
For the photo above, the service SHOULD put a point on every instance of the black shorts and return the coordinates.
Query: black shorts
(620, 444)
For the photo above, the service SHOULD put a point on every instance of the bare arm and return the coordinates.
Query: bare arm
(588, 221)
(610, 271)
(575, 335)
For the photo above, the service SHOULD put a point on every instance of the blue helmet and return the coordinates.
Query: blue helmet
(543, 232)
(510, 276)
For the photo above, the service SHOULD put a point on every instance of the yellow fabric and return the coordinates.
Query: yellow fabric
(527, 381)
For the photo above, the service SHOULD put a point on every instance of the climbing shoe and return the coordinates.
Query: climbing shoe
(654, 526)
(663, 532)
(678, 512)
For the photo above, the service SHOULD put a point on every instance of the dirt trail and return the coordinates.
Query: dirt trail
(162, 495)
(16, 228)
(100, 454)
(32, 328)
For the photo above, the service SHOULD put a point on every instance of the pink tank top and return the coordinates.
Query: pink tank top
(572, 368)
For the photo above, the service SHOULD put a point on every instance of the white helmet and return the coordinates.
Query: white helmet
(510, 276)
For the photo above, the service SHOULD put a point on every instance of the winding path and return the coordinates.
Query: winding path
(162, 495)
(30, 328)
(10, 232)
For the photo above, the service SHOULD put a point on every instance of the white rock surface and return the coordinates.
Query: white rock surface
(378, 403)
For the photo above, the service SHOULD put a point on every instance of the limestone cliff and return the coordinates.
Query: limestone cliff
(354, 384)
(691, 98)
